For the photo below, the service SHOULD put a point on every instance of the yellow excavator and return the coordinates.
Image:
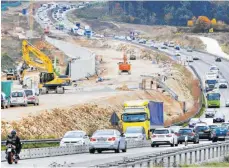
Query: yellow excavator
(49, 80)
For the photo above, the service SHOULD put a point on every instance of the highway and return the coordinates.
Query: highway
(202, 67)
(86, 159)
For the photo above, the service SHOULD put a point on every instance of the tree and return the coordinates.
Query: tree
(203, 23)
(118, 9)
(168, 17)
(131, 9)
(190, 23)
(213, 21)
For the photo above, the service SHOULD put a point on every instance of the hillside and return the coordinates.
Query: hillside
(174, 13)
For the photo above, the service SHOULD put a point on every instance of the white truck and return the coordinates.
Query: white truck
(189, 58)
(171, 44)
(211, 81)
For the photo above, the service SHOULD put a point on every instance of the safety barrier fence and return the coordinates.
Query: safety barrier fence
(66, 150)
(33, 141)
(163, 86)
(173, 158)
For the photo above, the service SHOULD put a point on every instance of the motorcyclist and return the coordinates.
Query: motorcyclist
(13, 139)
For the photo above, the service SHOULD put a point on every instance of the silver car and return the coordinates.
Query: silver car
(227, 103)
(108, 139)
(136, 133)
(32, 97)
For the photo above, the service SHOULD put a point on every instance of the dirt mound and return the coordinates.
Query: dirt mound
(123, 88)
(88, 117)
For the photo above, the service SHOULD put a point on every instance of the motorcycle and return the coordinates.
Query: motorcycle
(11, 154)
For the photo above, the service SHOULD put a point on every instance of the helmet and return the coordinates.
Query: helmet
(13, 132)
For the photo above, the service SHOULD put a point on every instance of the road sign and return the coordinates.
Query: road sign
(114, 119)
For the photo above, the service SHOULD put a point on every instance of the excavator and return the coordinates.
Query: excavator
(49, 81)
(124, 66)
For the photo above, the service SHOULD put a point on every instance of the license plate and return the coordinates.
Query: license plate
(101, 139)
(9, 150)
(200, 132)
(69, 144)
(220, 136)
(160, 135)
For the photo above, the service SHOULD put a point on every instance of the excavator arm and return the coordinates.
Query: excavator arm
(46, 61)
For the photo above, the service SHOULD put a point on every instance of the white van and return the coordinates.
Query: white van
(18, 98)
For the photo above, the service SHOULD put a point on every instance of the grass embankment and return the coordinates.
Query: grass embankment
(225, 48)
(191, 86)
(224, 163)
(35, 145)
(201, 111)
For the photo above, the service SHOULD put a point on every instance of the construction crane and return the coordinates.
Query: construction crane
(124, 66)
(49, 81)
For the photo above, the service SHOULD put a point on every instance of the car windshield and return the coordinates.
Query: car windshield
(211, 82)
(107, 132)
(213, 96)
(210, 111)
(134, 130)
(213, 127)
(17, 94)
(223, 81)
(28, 92)
(213, 68)
(194, 120)
(134, 117)
(185, 131)
(201, 128)
(225, 125)
(74, 135)
(161, 131)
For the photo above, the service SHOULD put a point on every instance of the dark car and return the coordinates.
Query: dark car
(4, 101)
(218, 59)
(166, 43)
(163, 47)
(219, 133)
(191, 135)
(177, 47)
(204, 132)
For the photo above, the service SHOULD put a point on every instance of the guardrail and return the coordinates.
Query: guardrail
(175, 157)
(37, 141)
(163, 85)
(66, 150)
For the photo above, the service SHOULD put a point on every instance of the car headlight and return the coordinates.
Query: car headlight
(61, 142)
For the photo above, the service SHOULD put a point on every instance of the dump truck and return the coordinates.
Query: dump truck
(145, 113)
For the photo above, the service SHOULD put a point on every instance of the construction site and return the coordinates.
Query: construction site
(85, 97)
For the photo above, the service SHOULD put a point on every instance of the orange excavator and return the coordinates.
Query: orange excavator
(124, 66)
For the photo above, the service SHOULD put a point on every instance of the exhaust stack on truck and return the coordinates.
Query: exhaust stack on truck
(145, 113)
